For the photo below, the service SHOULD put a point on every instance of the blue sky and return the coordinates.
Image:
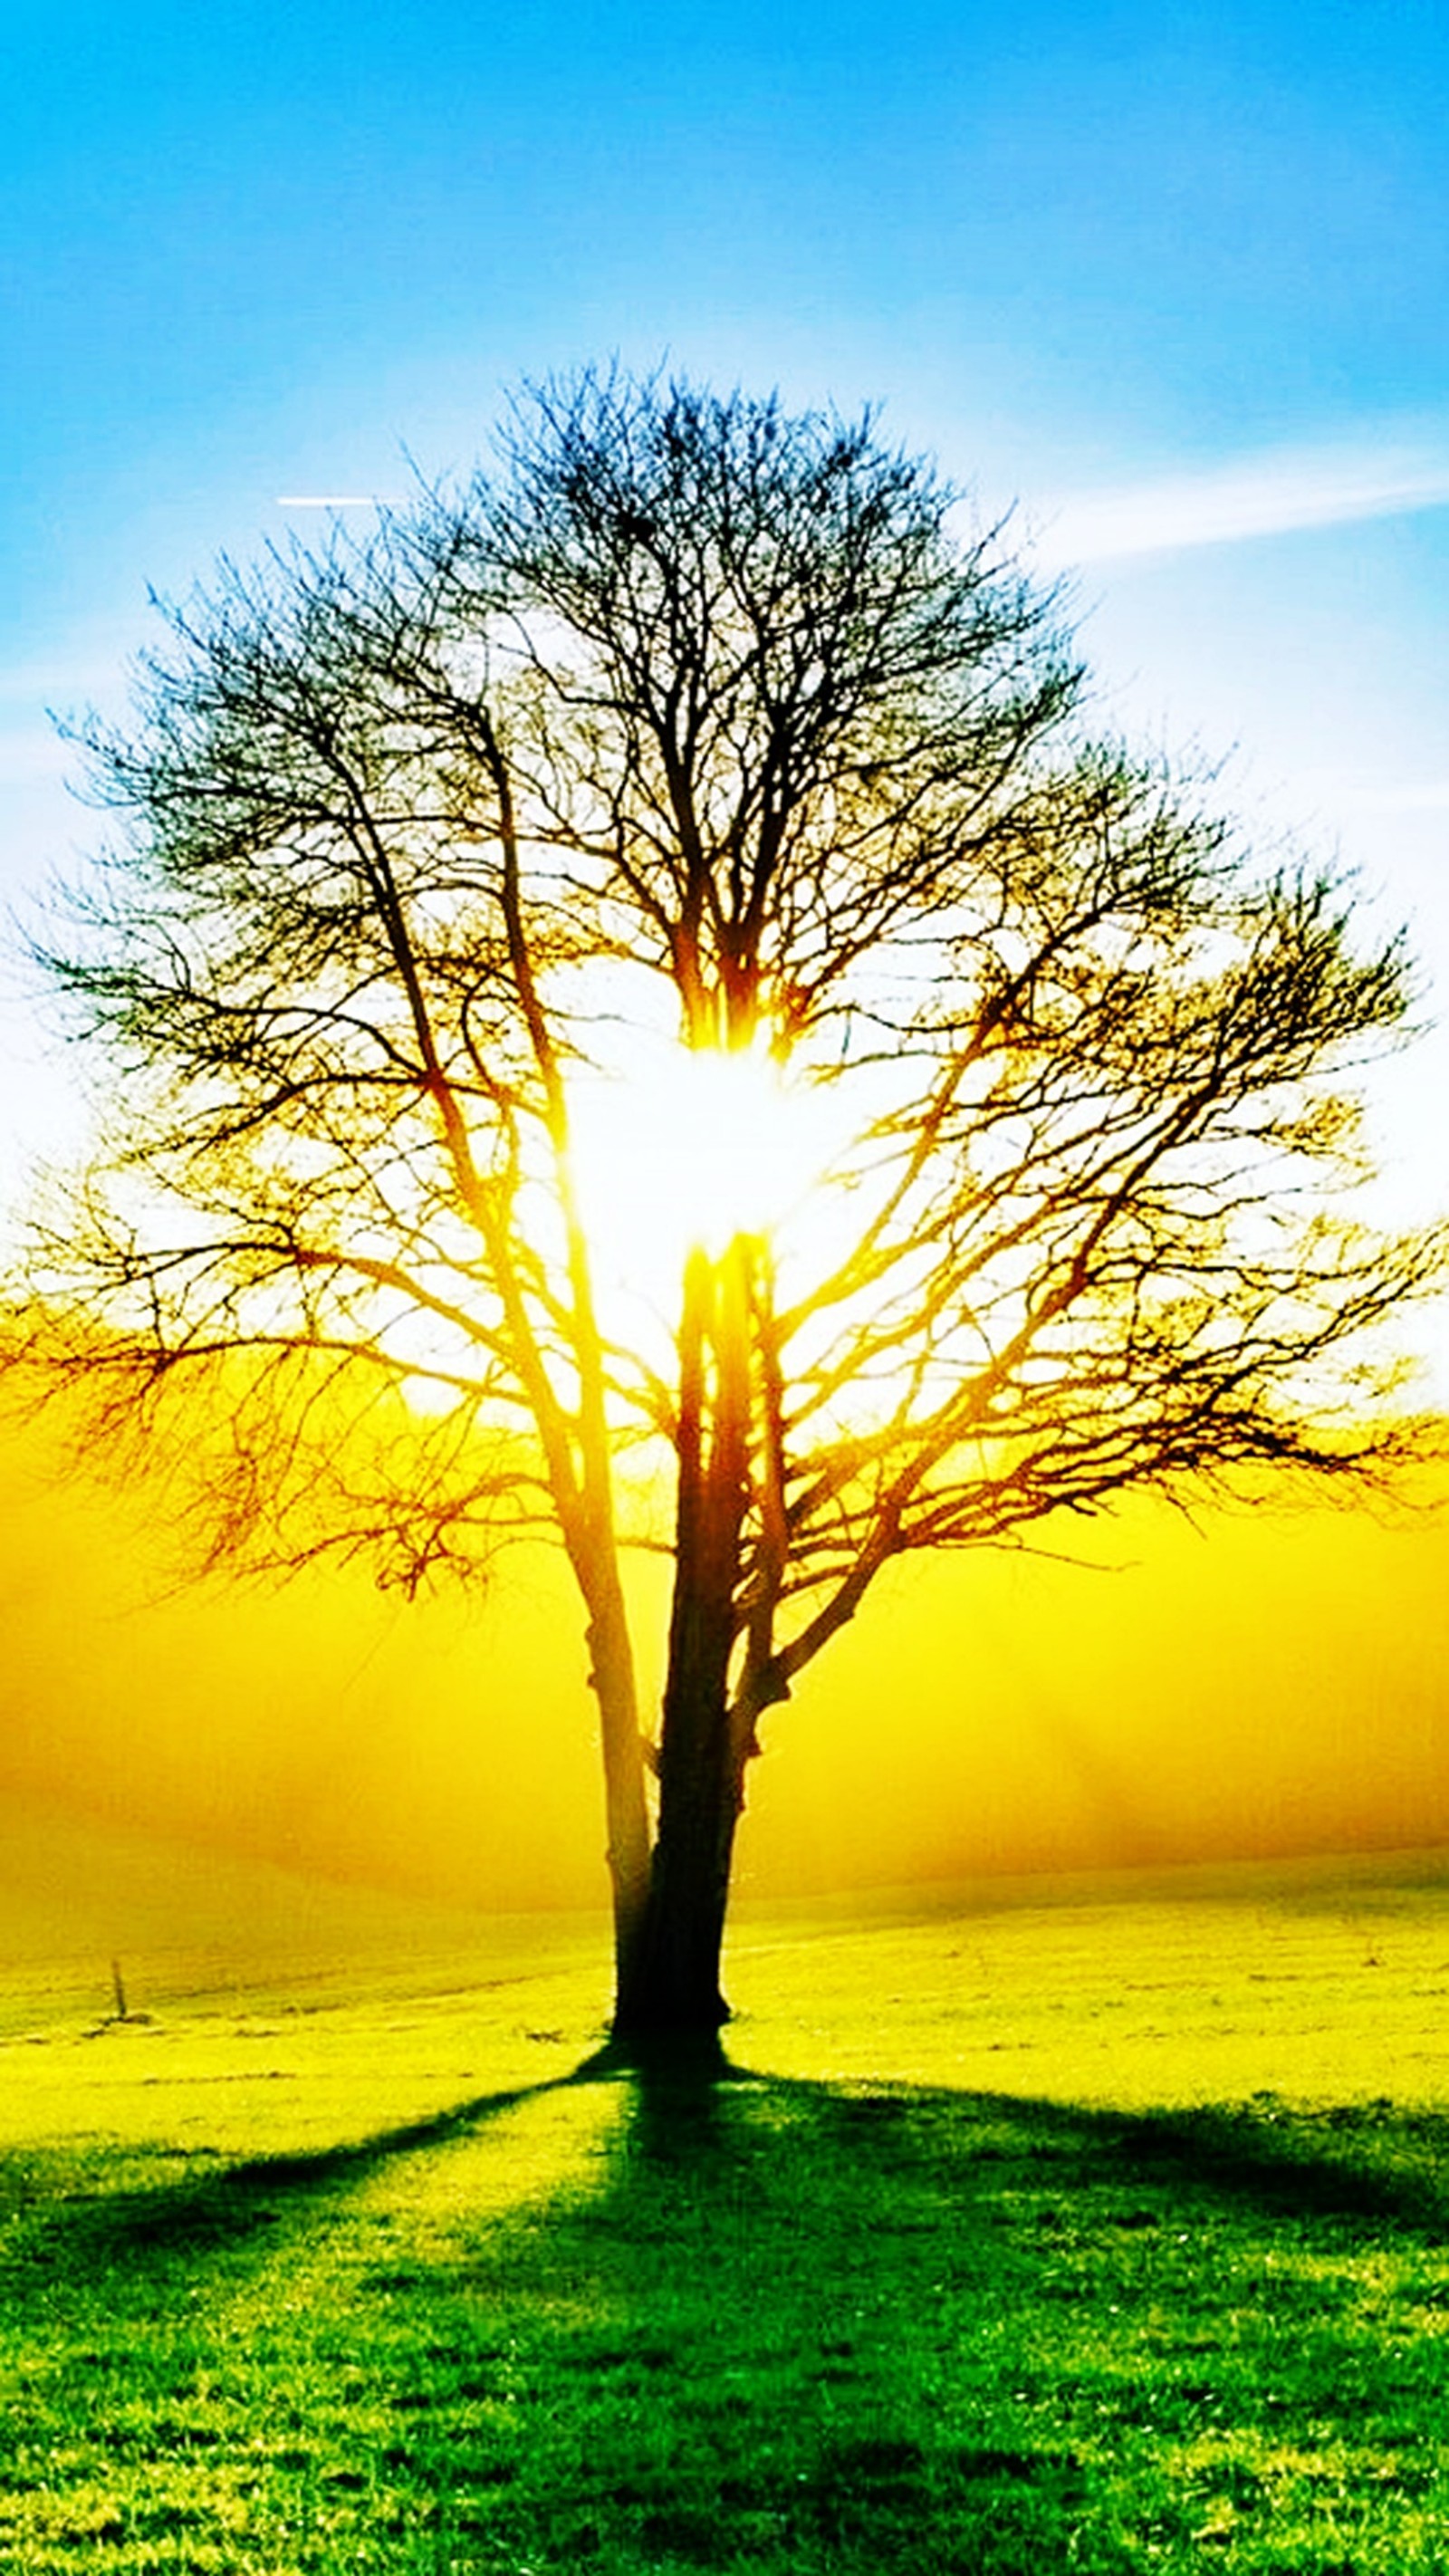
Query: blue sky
(1177, 277)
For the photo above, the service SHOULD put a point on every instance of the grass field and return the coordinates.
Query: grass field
(1095, 2227)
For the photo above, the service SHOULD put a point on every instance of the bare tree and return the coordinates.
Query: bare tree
(700, 702)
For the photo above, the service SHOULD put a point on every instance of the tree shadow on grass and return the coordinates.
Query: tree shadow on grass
(1370, 2162)
(830, 2328)
(229, 2202)
(905, 2326)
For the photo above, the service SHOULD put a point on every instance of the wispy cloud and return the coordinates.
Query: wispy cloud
(337, 500)
(1390, 796)
(1256, 496)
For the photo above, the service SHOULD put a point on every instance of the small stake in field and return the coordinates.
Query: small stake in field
(123, 2012)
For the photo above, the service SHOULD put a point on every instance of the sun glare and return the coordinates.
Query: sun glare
(672, 1147)
(677, 1147)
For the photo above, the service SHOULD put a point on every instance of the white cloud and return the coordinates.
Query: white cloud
(1364, 792)
(1429, 796)
(1257, 496)
(337, 500)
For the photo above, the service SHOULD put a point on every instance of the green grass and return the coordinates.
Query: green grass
(969, 2261)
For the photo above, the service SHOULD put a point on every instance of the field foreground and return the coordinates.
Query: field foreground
(1109, 2233)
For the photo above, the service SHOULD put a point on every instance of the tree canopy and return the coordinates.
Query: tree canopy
(698, 732)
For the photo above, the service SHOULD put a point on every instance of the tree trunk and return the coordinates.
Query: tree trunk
(676, 1985)
(677, 1988)
(626, 1808)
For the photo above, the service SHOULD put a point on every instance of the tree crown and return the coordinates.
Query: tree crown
(700, 700)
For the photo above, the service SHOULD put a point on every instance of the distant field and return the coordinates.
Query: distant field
(1099, 2226)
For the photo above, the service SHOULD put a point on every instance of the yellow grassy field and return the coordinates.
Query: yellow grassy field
(1323, 1981)
(272, 2014)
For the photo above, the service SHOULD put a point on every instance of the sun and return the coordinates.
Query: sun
(670, 1147)
(678, 1147)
